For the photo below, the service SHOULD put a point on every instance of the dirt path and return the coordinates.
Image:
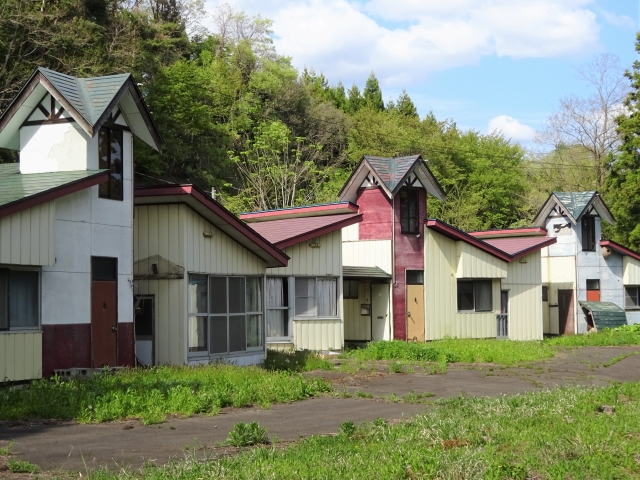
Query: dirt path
(73, 447)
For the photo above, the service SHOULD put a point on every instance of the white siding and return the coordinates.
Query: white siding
(321, 334)
(631, 268)
(308, 261)
(20, 356)
(351, 233)
(27, 237)
(441, 303)
(474, 263)
(525, 297)
(367, 253)
(357, 327)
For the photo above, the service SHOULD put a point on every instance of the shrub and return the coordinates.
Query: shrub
(21, 466)
(247, 434)
(347, 429)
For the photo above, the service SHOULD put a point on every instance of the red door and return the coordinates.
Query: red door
(104, 323)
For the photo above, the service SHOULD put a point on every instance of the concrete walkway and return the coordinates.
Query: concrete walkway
(73, 447)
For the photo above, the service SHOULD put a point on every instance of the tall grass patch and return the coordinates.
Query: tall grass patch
(152, 394)
(296, 361)
(625, 335)
(456, 350)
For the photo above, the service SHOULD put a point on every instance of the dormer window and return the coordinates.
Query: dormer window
(588, 234)
(110, 151)
(409, 211)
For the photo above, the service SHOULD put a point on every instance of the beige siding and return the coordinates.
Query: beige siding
(351, 233)
(561, 276)
(631, 271)
(305, 260)
(20, 356)
(441, 309)
(280, 346)
(26, 238)
(525, 298)
(367, 253)
(474, 263)
(356, 326)
(321, 334)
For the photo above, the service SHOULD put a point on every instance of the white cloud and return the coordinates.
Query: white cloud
(618, 20)
(511, 128)
(348, 40)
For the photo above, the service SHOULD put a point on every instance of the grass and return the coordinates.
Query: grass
(296, 361)
(7, 450)
(625, 335)
(617, 359)
(152, 394)
(21, 466)
(247, 434)
(565, 433)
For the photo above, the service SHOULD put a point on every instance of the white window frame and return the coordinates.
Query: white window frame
(292, 295)
(290, 287)
(38, 328)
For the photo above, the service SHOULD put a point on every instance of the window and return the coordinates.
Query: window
(110, 158)
(475, 296)
(415, 277)
(593, 284)
(545, 293)
(225, 314)
(631, 297)
(316, 297)
(350, 289)
(588, 234)
(19, 299)
(277, 302)
(409, 211)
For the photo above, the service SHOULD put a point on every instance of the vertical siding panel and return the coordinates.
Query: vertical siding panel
(143, 232)
(163, 231)
(5, 240)
(37, 355)
(3, 361)
(189, 248)
(174, 321)
(25, 237)
(35, 238)
(29, 345)
(15, 239)
(46, 236)
(174, 235)
(10, 357)
(154, 234)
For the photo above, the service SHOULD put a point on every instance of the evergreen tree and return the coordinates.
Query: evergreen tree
(623, 183)
(373, 94)
(355, 101)
(405, 105)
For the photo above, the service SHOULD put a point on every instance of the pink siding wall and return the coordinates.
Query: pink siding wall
(409, 255)
(375, 208)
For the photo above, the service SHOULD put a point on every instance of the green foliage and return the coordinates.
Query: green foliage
(372, 94)
(535, 435)
(152, 394)
(21, 466)
(247, 434)
(395, 367)
(625, 335)
(347, 429)
(295, 361)
(7, 450)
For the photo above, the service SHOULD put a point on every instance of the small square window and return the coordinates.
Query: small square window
(350, 289)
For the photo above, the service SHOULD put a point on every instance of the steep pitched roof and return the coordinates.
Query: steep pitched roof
(22, 191)
(573, 205)
(392, 174)
(88, 100)
(291, 231)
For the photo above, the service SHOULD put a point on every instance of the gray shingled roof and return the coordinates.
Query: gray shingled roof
(391, 170)
(575, 202)
(364, 272)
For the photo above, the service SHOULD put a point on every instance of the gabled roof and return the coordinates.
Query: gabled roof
(303, 211)
(619, 248)
(89, 101)
(215, 214)
(22, 191)
(391, 174)
(511, 232)
(505, 249)
(291, 231)
(573, 205)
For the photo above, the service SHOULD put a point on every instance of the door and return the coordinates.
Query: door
(415, 305)
(104, 312)
(565, 312)
(144, 329)
(380, 326)
(503, 316)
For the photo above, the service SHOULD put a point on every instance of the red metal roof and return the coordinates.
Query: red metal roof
(304, 211)
(510, 232)
(619, 248)
(219, 216)
(290, 231)
(520, 246)
(506, 249)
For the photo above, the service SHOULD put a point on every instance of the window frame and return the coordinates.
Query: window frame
(208, 315)
(588, 234)
(316, 317)
(637, 297)
(38, 327)
(287, 308)
(474, 281)
(405, 211)
(119, 136)
(347, 293)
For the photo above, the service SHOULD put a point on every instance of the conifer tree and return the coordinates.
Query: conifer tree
(373, 94)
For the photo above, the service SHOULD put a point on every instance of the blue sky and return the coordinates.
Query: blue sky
(476, 62)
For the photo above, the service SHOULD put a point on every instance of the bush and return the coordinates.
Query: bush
(247, 434)
(295, 361)
(21, 466)
(624, 335)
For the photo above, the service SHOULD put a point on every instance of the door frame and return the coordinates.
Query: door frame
(504, 311)
(151, 297)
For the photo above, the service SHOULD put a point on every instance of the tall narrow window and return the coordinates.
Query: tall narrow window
(110, 151)
(588, 234)
(277, 303)
(409, 211)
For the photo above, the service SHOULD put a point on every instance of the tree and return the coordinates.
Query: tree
(355, 101)
(372, 93)
(404, 105)
(589, 122)
(623, 184)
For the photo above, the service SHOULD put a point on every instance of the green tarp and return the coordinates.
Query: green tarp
(604, 314)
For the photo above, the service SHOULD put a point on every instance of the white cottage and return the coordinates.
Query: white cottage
(66, 224)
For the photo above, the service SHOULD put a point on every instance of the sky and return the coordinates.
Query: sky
(486, 64)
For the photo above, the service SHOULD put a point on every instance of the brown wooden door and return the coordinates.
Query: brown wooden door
(415, 313)
(104, 323)
(565, 312)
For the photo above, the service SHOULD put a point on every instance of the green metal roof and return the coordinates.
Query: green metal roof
(15, 186)
(575, 202)
(605, 314)
(364, 272)
(392, 170)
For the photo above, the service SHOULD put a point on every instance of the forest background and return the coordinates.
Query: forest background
(237, 118)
